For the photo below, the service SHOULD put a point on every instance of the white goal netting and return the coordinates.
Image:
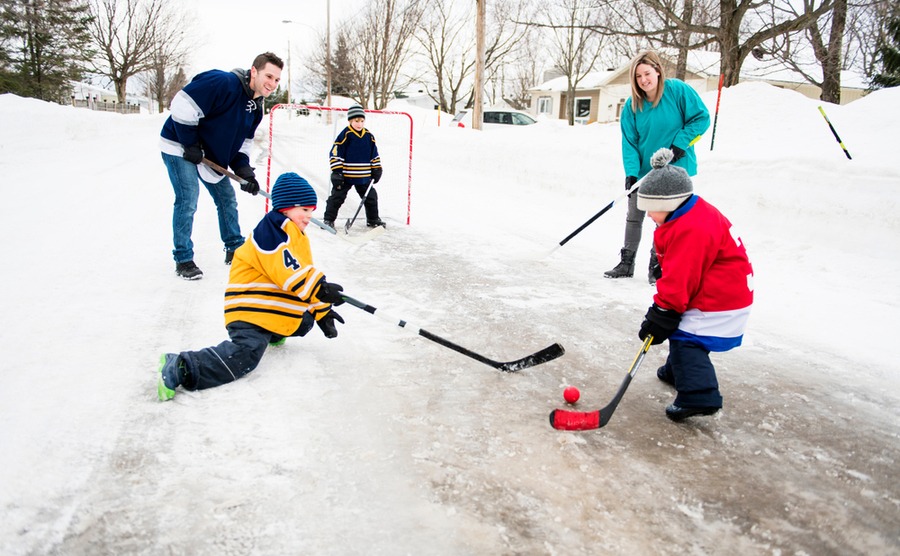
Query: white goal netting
(300, 140)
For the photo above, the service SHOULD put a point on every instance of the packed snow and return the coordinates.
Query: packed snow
(383, 442)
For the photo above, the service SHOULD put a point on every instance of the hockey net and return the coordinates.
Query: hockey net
(300, 140)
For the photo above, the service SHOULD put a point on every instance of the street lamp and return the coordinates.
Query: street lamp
(327, 54)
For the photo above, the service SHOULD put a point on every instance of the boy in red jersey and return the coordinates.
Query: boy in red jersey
(273, 291)
(704, 291)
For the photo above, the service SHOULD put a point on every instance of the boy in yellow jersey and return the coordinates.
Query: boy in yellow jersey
(274, 291)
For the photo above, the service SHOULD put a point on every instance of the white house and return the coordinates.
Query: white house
(600, 96)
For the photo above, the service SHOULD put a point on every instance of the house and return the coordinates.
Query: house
(600, 96)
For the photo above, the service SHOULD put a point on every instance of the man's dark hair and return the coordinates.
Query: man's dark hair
(267, 58)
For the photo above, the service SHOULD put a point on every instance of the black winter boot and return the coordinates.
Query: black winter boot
(625, 268)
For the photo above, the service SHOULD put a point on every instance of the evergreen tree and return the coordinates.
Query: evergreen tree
(44, 44)
(889, 55)
(343, 76)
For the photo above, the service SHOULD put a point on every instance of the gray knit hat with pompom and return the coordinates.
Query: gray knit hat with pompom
(665, 187)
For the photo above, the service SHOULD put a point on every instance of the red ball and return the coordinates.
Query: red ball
(571, 394)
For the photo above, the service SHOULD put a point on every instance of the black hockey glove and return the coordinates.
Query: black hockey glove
(679, 153)
(659, 322)
(629, 181)
(250, 184)
(330, 293)
(376, 174)
(327, 323)
(306, 324)
(193, 154)
(337, 179)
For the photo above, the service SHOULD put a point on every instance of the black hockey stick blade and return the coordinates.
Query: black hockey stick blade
(565, 420)
(549, 353)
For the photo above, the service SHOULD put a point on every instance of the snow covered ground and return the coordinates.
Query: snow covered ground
(382, 442)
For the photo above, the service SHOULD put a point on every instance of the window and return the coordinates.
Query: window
(582, 110)
(545, 105)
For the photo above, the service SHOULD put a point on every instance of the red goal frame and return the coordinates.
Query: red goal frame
(329, 110)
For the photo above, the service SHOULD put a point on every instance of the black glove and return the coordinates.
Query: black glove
(306, 324)
(679, 153)
(659, 322)
(250, 184)
(327, 325)
(193, 154)
(629, 181)
(337, 179)
(330, 293)
(376, 174)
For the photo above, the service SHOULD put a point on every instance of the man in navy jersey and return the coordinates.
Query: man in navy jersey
(215, 117)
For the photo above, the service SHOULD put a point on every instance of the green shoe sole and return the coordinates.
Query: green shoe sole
(164, 393)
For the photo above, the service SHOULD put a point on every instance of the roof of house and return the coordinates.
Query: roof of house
(706, 64)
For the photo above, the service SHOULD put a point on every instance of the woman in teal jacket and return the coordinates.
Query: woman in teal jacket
(661, 113)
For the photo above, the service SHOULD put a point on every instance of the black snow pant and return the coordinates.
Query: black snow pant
(339, 194)
(228, 361)
(694, 375)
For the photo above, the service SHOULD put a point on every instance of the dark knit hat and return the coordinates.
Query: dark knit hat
(356, 111)
(290, 190)
(665, 187)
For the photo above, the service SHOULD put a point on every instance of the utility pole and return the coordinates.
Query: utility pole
(479, 64)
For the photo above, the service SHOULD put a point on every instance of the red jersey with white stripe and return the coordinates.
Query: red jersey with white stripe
(706, 275)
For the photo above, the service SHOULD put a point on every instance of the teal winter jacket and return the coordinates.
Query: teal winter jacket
(679, 119)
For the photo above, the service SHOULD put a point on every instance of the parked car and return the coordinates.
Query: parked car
(493, 118)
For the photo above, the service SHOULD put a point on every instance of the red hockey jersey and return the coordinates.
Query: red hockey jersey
(706, 275)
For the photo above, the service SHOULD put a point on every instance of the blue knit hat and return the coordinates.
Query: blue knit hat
(356, 111)
(290, 190)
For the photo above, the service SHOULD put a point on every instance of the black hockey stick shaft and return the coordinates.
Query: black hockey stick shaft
(362, 202)
(562, 419)
(265, 194)
(547, 354)
(603, 211)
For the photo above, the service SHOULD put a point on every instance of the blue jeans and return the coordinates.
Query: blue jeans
(185, 181)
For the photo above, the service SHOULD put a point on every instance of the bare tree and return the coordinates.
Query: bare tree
(735, 27)
(166, 72)
(577, 48)
(446, 40)
(380, 48)
(865, 31)
(129, 35)
(503, 35)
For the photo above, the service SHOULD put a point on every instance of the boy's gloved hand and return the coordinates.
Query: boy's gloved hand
(327, 324)
(193, 154)
(330, 293)
(306, 324)
(679, 153)
(659, 322)
(629, 181)
(250, 184)
(376, 174)
(337, 179)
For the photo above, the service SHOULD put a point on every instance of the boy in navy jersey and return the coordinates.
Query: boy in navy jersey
(355, 163)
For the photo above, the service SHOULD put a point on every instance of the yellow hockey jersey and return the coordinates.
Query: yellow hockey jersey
(273, 280)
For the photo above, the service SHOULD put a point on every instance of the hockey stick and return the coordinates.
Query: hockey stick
(596, 216)
(265, 194)
(835, 133)
(359, 208)
(547, 354)
(564, 420)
